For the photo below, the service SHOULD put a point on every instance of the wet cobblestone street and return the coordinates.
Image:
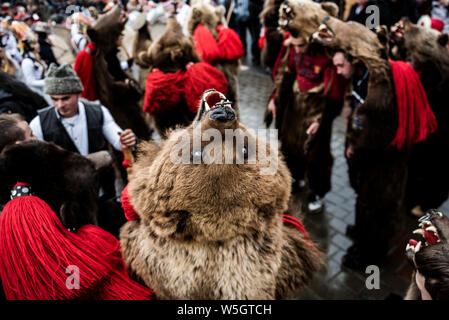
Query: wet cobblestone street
(327, 229)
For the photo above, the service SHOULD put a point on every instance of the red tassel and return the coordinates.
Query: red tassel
(297, 223)
(36, 250)
(229, 43)
(261, 41)
(416, 118)
(163, 91)
(199, 78)
(206, 45)
(130, 214)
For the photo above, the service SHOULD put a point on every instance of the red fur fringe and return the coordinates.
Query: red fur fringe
(165, 90)
(36, 249)
(199, 78)
(205, 44)
(229, 43)
(227, 46)
(416, 118)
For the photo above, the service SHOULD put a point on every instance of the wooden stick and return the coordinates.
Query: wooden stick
(128, 154)
(231, 8)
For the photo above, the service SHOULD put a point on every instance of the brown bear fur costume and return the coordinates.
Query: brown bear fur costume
(142, 42)
(203, 13)
(308, 156)
(213, 231)
(377, 171)
(121, 98)
(170, 53)
(428, 184)
(273, 36)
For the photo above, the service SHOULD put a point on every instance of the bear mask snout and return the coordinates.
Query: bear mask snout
(222, 114)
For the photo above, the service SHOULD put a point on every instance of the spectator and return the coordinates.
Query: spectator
(391, 11)
(33, 66)
(46, 52)
(440, 11)
(7, 63)
(358, 12)
(76, 125)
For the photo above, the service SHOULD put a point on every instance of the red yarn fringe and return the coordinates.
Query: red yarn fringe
(163, 91)
(229, 43)
(199, 78)
(205, 44)
(416, 118)
(36, 249)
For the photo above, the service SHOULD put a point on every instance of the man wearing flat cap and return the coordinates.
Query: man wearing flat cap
(75, 124)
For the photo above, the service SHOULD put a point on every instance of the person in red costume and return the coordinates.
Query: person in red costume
(84, 68)
(305, 100)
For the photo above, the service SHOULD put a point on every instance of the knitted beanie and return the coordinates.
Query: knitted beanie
(62, 80)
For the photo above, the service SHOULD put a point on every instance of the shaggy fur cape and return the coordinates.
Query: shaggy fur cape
(213, 231)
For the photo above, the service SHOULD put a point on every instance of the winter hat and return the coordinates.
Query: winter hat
(62, 80)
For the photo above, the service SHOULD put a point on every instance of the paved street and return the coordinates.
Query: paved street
(328, 228)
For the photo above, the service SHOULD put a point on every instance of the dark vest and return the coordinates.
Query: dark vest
(54, 131)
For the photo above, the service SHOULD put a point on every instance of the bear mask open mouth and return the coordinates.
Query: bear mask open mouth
(324, 33)
(286, 15)
(427, 231)
(217, 102)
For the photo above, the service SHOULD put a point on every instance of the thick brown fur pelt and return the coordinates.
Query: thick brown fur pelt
(171, 51)
(141, 44)
(65, 180)
(308, 156)
(214, 231)
(121, 97)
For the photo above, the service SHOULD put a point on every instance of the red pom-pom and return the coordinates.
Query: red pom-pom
(126, 163)
(206, 45)
(130, 214)
(229, 43)
(163, 91)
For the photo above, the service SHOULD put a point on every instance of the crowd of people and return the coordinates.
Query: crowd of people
(96, 78)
